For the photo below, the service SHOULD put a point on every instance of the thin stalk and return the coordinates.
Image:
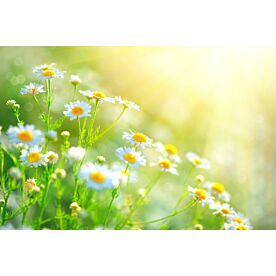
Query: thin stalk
(139, 201)
(173, 214)
(111, 126)
(38, 104)
(74, 92)
(91, 126)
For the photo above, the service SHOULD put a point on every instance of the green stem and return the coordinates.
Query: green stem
(173, 214)
(111, 126)
(74, 93)
(91, 126)
(38, 104)
(139, 201)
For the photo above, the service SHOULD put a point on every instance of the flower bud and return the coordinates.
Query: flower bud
(101, 159)
(65, 133)
(15, 173)
(198, 227)
(75, 80)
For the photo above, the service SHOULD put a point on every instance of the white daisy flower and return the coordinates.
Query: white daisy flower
(78, 109)
(98, 177)
(139, 139)
(123, 176)
(97, 95)
(32, 89)
(223, 209)
(32, 157)
(48, 71)
(51, 157)
(166, 165)
(127, 104)
(75, 154)
(30, 185)
(218, 189)
(168, 150)
(26, 135)
(230, 226)
(198, 161)
(201, 195)
(239, 219)
(131, 157)
(75, 80)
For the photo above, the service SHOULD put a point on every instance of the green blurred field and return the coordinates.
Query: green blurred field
(218, 102)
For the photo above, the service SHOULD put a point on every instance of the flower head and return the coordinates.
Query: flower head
(48, 71)
(97, 95)
(127, 104)
(231, 226)
(30, 185)
(75, 154)
(168, 150)
(76, 110)
(138, 139)
(75, 80)
(166, 165)
(223, 209)
(32, 89)
(60, 172)
(26, 135)
(98, 177)
(201, 195)
(51, 157)
(51, 135)
(15, 173)
(32, 157)
(65, 133)
(198, 161)
(239, 219)
(218, 189)
(131, 157)
(75, 209)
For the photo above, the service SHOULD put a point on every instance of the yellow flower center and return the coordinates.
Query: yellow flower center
(139, 137)
(171, 149)
(225, 211)
(25, 136)
(98, 95)
(241, 227)
(48, 73)
(33, 90)
(34, 157)
(130, 158)
(201, 194)
(51, 157)
(165, 164)
(97, 177)
(238, 220)
(29, 185)
(77, 110)
(197, 161)
(218, 187)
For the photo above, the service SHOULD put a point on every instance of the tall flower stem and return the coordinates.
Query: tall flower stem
(173, 214)
(74, 92)
(112, 125)
(139, 202)
(38, 104)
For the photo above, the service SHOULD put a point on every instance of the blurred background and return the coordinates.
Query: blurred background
(218, 102)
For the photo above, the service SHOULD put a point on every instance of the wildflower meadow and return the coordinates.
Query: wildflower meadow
(52, 178)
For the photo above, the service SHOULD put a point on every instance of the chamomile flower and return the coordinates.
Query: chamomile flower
(26, 135)
(30, 185)
(198, 161)
(98, 177)
(51, 157)
(239, 219)
(48, 71)
(76, 110)
(230, 226)
(131, 157)
(201, 195)
(127, 104)
(75, 80)
(75, 154)
(32, 157)
(124, 176)
(218, 189)
(166, 165)
(32, 89)
(97, 95)
(137, 138)
(168, 150)
(223, 209)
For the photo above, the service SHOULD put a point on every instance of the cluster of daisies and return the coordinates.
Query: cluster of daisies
(214, 195)
(32, 145)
